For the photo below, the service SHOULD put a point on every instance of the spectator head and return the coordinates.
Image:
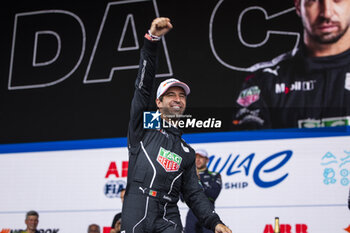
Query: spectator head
(94, 228)
(32, 220)
(202, 159)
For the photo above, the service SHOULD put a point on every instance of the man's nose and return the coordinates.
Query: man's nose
(326, 8)
(177, 98)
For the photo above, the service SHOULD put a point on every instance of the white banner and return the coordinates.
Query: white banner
(304, 182)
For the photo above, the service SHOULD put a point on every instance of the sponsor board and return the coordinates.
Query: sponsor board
(287, 228)
(261, 179)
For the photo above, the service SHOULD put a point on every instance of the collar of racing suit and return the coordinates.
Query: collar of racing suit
(204, 171)
(311, 64)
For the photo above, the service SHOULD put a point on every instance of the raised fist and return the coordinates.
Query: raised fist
(160, 26)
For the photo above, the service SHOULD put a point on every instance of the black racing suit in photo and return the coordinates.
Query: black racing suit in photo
(297, 92)
(211, 184)
(161, 166)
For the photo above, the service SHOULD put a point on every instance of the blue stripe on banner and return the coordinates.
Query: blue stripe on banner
(189, 138)
(268, 134)
(184, 208)
(63, 145)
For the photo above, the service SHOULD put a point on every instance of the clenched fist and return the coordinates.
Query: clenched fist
(160, 26)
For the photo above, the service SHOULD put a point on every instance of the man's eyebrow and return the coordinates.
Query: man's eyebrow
(173, 92)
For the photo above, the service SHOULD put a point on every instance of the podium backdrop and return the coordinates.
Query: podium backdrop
(300, 176)
(67, 78)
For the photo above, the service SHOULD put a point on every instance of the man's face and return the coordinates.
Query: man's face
(201, 162)
(32, 222)
(324, 21)
(173, 102)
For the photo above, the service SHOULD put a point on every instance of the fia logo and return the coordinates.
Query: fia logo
(113, 188)
(151, 120)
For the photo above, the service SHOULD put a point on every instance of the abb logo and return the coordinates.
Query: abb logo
(113, 170)
(287, 228)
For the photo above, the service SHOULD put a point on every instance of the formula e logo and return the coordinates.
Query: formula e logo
(151, 120)
(169, 160)
(296, 86)
(233, 165)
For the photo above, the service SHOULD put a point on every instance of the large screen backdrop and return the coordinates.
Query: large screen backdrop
(68, 68)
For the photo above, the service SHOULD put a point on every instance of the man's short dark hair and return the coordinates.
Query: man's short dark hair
(32, 213)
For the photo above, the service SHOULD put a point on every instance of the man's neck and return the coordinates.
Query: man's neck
(316, 49)
(202, 169)
(30, 231)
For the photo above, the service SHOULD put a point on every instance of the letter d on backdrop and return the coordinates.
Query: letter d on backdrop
(47, 47)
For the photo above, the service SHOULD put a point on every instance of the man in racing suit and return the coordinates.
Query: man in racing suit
(161, 164)
(211, 183)
(309, 87)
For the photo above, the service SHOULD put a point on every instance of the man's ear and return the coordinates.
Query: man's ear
(158, 102)
(297, 6)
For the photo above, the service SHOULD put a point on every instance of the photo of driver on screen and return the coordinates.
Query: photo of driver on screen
(308, 87)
